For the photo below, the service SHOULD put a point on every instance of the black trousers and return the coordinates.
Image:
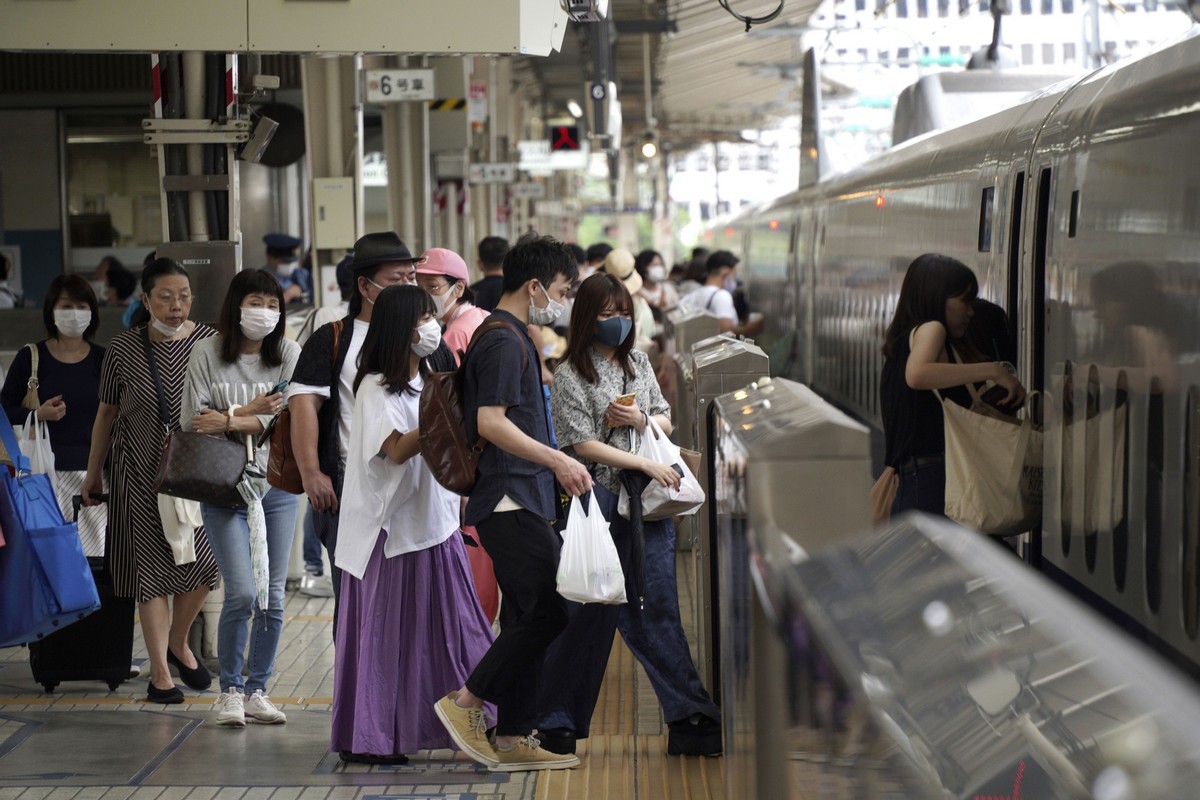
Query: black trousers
(524, 550)
(325, 525)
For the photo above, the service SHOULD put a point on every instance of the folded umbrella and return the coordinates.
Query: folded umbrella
(253, 487)
(635, 481)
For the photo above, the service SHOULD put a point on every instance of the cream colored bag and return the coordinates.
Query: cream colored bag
(180, 518)
(988, 486)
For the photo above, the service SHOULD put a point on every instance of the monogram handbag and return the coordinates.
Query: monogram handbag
(196, 466)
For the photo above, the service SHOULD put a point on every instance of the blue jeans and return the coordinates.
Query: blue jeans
(229, 536)
(312, 545)
(575, 662)
(922, 488)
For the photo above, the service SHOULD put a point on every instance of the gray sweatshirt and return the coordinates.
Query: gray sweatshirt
(213, 383)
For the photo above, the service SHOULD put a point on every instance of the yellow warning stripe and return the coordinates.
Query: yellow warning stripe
(448, 104)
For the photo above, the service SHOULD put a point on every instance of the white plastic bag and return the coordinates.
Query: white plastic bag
(35, 444)
(589, 568)
(658, 501)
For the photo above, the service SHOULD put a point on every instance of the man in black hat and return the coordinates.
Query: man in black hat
(321, 395)
(283, 262)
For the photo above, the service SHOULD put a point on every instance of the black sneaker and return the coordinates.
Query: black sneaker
(557, 740)
(697, 735)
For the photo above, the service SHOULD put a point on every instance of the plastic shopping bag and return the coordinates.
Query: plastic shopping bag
(589, 568)
(658, 501)
(35, 444)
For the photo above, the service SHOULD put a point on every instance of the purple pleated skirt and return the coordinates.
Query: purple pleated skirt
(408, 633)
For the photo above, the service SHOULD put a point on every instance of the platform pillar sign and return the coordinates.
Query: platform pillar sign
(492, 173)
(398, 85)
(477, 103)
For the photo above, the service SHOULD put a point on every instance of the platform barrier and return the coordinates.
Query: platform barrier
(682, 330)
(924, 661)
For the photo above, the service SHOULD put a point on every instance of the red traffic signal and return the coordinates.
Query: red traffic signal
(564, 137)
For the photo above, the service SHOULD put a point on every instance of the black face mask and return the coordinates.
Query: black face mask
(613, 331)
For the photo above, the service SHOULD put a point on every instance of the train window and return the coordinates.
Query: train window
(1066, 512)
(1120, 536)
(986, 207)
(1073, 224)
(1190, 574)
(1068, 47)
(1155, 450)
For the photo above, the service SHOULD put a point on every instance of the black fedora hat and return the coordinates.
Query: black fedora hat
(374, 249)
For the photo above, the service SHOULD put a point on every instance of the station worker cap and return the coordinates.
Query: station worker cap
(440, 261)
(620, 264)
(374, 249)
(281, 245)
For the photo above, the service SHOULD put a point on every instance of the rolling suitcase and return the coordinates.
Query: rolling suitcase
(98, 647)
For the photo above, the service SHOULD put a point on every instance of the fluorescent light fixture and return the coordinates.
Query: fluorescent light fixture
(574, 109)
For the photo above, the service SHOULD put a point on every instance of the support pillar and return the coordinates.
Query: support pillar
(627, 196)
(406, 145)
(333, 156)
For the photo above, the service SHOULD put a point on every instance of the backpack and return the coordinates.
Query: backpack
(443, 426)
(282, 470)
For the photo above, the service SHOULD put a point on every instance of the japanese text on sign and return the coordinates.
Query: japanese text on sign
(396, 85)
(492, 173)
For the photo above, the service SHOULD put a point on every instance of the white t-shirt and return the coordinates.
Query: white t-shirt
(713, 299)
(345, 386)
(402, 500)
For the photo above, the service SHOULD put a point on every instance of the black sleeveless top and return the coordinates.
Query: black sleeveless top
(912, 418)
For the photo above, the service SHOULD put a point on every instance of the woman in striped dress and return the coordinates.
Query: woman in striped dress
(128, 421)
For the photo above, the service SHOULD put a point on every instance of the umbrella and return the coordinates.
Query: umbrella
(635, 481)
(253, 487)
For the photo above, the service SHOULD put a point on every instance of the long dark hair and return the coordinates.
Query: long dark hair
(930, 281)
(599, 292)
(77, 289)
(248, 282)
(158, 268)
(398, 312)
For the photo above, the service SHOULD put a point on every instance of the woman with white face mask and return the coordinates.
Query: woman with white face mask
(408, 625)
(129, 433)
(234, 388)
(443, 274)
(656, 290)
(66, 369)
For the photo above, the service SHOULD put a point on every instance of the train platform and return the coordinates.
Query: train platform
(83, 742)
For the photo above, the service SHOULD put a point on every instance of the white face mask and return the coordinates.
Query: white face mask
(544, 316)
(165, 329)
(257, 323)
(431, 336)
(443, 301)
(72, 321)
(287, 268)
(657, 274)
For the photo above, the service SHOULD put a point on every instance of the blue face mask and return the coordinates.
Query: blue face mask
(613, 331)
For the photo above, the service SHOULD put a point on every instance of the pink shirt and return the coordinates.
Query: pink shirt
(462, 327)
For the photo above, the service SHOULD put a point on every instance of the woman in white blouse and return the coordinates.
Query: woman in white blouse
(409, 627)
(590, 424)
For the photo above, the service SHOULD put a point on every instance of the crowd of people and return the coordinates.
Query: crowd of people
(448, 629)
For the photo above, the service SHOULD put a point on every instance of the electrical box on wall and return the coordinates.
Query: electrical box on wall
(333, 212)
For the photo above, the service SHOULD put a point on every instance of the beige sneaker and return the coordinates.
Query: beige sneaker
(528, 755)
(468, 728)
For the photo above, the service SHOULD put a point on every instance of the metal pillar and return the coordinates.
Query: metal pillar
(406, 144)
(333, 156)
(627, 197)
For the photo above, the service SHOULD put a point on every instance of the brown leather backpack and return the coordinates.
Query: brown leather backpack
(443, 426)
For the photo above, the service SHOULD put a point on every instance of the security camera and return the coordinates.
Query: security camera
(256, 146)
(586, 10)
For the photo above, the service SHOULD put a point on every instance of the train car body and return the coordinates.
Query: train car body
(1079, 210)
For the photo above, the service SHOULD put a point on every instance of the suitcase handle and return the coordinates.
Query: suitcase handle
(77, 502)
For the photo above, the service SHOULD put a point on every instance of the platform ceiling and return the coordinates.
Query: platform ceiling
(711, 79)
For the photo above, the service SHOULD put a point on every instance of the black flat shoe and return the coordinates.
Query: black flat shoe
(198, 678)
(369, 758)
(167, 697)
(557, 740)
(697, 735)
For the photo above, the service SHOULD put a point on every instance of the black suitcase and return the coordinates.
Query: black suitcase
(98, 647)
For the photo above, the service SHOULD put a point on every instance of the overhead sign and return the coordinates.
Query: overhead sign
(477, 103)
(564, 137)
(491, 173)
(529, 191)
(397, 85)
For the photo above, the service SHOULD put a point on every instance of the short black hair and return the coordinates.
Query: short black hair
(719, 260)
(597, 252)
(123, 282)
(79, 290)
(577, 253)
(492, 250)
(539, 258)
(244, 283)
(5, 265)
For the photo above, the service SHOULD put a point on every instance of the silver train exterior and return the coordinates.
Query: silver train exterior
(1079, 211)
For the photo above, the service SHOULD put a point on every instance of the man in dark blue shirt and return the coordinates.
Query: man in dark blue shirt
(511, 506)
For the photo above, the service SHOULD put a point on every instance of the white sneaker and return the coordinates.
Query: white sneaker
(231, 710)
(316, 585)
(260, 708)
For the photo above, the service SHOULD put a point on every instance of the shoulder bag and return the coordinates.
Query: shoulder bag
(196, 466)
(31, 401)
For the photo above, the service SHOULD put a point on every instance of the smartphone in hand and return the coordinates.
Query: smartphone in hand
(279, 387)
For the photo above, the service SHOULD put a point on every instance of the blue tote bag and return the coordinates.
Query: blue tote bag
(45, 581)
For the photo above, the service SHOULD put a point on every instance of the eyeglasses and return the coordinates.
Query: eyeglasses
(171, 299)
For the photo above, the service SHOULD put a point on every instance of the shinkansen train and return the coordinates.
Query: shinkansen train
(1079, 210)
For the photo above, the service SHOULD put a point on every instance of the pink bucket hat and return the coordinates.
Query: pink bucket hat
(440, 261)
